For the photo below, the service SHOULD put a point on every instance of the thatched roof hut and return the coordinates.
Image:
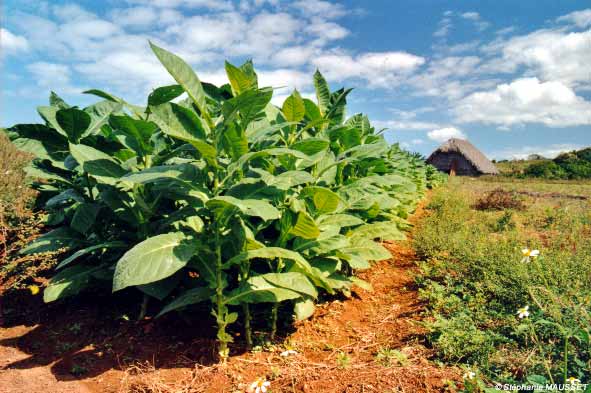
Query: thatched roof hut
(460, 157)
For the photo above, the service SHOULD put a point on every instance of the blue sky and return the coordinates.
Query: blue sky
(511, 76)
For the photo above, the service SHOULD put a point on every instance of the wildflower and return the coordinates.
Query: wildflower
(573, 381)
(523, 312)
(260, 385)
(288, 352)
(469, 375)
(527, 254)
(34, 289)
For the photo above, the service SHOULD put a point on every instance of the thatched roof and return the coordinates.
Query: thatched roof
(471, 153)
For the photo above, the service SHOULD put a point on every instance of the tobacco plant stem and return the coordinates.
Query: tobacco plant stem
(247, 328)
(144, 307)
(274, 313)
(220, 307)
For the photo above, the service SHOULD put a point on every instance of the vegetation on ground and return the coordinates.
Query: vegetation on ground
(219, 198)
(571, 165)
(509, 291)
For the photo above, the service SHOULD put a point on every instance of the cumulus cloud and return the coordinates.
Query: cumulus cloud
(378, 69)
(443, 134)
(525, 100)
(550, 54)
(12, 43)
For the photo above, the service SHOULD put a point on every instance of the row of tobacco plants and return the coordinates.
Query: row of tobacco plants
(217, 197)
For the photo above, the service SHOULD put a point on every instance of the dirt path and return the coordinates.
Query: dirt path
(371, 342)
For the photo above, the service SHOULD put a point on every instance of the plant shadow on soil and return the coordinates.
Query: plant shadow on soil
(84, 337)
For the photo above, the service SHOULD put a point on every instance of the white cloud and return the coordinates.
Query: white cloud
(525, 100)
(206, 4)
(53, 76)
(12, 43)
(580, 18)
(552, 55)
(470, 15)
(135, 17)
(443, 28)
(405, 125)
(549, 151)
(324, 9)
(475, 18)
(378, 69)
(443, 134)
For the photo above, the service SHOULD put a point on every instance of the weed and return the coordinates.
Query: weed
(388, 357)
(343, 360)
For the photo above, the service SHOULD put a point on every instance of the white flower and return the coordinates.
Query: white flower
(469, 375)
(573, 381)
(523, 312)
(288, 352)
(260, 385)
(527, 254)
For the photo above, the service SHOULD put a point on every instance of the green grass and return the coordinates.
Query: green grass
(474, 281)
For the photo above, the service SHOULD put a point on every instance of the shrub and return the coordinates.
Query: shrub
(499, 199)
(220, 197)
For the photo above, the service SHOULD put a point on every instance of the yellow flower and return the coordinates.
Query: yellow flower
(34, 289)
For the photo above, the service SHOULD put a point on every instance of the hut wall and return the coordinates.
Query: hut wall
(443, 162)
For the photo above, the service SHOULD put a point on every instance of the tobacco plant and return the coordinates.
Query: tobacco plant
(213, 194)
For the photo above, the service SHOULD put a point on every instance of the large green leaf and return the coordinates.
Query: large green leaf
(239, 80)
(325, 201)
(184, 75)
(69, 282)
(74, 122)
(322, 93)
(178, 122)
(57, 239)
(84, 217)
(249, 105)
(293, 107)
(138, 132)
(153, 259)
(187, 298)
(272, 288)
(234, 141)
(96, 163)
(99, 114)
(164, 94)
(250, 207)
(305, 227)
(57, 101)
(90, 250)
(311, 146)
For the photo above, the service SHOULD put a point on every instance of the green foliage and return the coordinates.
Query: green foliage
(573, 165)
(267, 204)
(475, 279)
